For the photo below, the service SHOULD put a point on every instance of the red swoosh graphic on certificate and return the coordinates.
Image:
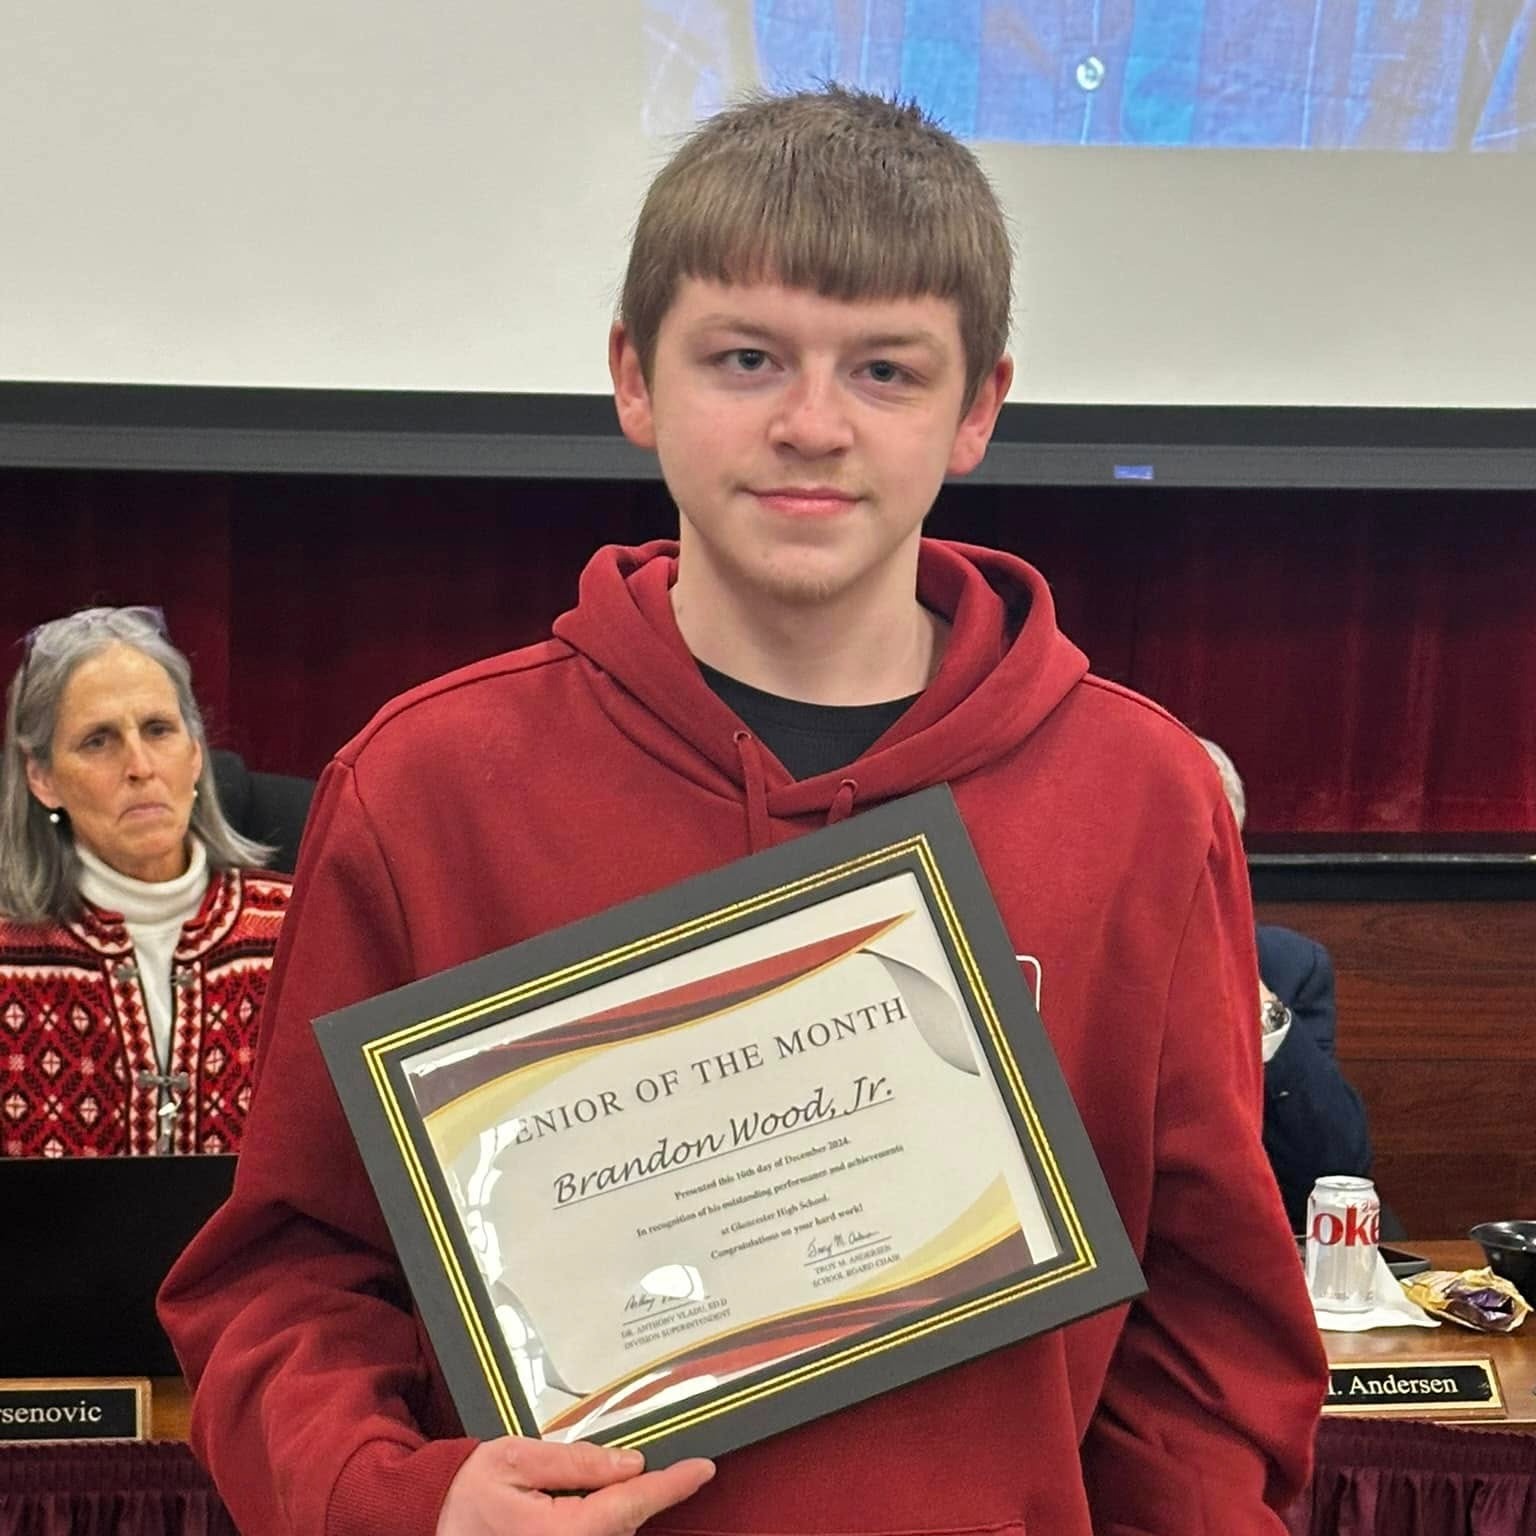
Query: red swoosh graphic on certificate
(779, 1338)
(676, 1005)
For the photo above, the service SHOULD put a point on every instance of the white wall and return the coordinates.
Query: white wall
(404, 195)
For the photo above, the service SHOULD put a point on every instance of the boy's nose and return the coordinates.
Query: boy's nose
(813, 418)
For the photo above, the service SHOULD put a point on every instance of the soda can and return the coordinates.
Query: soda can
(1343, 1230)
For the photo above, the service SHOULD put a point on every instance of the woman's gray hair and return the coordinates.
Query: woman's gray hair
(1231, 782)
(39, 868)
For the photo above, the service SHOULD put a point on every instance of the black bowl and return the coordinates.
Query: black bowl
(1511, 1250)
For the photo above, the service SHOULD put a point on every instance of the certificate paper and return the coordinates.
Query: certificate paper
(773, 1153)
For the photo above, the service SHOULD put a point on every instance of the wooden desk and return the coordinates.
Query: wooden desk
(1513, 1354)
(170, 1408)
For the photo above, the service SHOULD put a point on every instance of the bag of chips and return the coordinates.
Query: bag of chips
(1475, 1298)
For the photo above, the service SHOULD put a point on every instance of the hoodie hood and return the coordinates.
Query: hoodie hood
(1005, 668)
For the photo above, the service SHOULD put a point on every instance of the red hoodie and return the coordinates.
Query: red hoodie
(539, 787)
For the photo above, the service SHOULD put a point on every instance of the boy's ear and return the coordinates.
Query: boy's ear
(975, 430)
(631, 394)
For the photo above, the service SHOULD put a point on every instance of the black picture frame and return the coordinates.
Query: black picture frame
(408, 1067)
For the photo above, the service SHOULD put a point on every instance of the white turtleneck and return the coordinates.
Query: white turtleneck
(155, 913)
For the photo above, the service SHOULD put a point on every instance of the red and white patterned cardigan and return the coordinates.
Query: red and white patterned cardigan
(75, 1032)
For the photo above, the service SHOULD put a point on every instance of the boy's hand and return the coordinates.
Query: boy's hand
(505, 1488)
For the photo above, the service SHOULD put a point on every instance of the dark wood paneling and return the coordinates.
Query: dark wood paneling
(1437, 1029)
(1445, 1194)
(1445, 1107)
(1421, 938)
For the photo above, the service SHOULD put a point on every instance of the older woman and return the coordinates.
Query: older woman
(135, 935)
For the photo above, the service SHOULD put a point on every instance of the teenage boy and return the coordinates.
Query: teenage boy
(811, 337)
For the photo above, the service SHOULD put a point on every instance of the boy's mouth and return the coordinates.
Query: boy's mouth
(806, 501)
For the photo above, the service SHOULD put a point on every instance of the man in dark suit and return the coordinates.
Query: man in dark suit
(1314, 1122)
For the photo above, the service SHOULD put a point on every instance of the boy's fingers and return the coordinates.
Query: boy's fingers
(556, 1467)
(624, 1507)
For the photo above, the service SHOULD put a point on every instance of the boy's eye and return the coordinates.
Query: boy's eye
(883, 372)
(749, 359)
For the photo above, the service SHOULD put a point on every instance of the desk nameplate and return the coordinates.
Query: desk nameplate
(50, 1409)
(1412, 1386)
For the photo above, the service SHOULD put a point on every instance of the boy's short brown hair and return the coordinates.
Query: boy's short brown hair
(834, 190)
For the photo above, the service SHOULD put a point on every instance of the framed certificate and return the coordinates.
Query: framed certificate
(736, 1154)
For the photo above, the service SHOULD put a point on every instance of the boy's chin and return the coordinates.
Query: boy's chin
(806, 578)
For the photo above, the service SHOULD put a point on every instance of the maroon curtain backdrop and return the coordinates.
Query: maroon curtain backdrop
(1375, 1478)
(108, 1490)
(1367, 658)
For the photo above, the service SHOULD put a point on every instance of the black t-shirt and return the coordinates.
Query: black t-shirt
(807, 738)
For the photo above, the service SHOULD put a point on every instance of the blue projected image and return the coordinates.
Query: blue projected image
(1236, 74)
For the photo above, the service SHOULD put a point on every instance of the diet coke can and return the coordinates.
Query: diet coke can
(1343, 1228)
